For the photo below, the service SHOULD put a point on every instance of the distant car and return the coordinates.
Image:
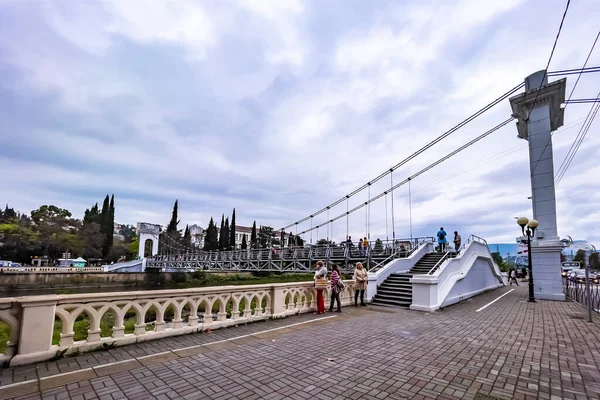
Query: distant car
(578, 275)
(565, 270)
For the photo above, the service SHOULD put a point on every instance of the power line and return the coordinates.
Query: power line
(567, 102)
(412, 156)
(577, 142)
(394, 187)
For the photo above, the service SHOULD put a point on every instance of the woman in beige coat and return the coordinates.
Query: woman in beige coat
(360, 279)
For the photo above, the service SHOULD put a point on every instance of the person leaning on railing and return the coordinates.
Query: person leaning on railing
(320, 285)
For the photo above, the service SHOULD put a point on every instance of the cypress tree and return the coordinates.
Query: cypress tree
(172, 227)
(187, 237)
(226, 244)
(111, 222)
(244, 243)
(105, 225)
(221, 230)
(232, 231)
(253, 236)
(211, 240)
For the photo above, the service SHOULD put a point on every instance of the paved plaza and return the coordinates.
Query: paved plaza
(509, 350)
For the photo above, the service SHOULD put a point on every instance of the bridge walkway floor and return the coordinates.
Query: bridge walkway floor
(510, 350)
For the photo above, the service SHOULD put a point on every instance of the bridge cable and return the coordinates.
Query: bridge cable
(392, 195)
(410, 211)
(577, 142)
(387, 234)
(549, 60)
(583, 70)
(418, 152)
(422, 171)
(567, 103)
(369, 215)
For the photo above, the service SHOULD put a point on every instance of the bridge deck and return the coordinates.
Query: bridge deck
(511, 350)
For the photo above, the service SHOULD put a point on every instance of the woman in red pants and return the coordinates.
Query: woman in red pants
(320, 285)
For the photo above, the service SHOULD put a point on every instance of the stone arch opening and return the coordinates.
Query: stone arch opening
(148, 245)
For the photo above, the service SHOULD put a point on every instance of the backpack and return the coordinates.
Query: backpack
(442, 235)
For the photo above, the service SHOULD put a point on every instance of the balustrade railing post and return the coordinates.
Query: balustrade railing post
(37, 327)
(588, 293)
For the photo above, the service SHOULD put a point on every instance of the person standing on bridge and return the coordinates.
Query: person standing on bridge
(457, 241)
(442, 241)
(335, 283)
(360, 279)
(320, 285)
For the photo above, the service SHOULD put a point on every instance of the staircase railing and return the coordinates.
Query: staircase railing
(397, 253)
(437, 265)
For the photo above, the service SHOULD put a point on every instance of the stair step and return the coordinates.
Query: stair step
(405, 297)
(391, 303)
(393, 292)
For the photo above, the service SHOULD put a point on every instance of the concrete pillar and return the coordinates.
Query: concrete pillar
(37, 326)
(539, 113)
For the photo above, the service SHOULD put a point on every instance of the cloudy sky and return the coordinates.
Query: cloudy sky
(278, 108)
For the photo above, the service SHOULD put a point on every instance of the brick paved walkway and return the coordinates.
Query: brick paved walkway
(510, 350)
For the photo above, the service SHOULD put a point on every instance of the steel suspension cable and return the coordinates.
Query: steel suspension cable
(418, 152)
(422, 171)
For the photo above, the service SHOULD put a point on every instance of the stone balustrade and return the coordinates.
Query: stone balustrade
(116, 319)
(37, 270)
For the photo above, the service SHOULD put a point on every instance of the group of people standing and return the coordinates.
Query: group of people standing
(337, 285)
(443, 241)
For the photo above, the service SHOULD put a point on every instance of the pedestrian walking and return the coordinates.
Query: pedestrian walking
(512, 277)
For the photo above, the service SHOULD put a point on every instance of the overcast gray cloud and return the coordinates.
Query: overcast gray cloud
(279, 108)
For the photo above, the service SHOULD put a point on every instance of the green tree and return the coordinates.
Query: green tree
(253, 237)
(499, 261)
(221, 230)
(172, 227)
(187, 237)
(244, 243)
(225, 235)
(232, 231)
(134, 246)
(265, 236)
(93, 240)
(594, 260)
(581, 257)
(106, 228)
(211, 240)
(111, 222)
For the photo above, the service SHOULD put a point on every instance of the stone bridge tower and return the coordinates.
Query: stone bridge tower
(539, 113)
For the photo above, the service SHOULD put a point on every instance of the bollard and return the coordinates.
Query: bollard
(588, 293)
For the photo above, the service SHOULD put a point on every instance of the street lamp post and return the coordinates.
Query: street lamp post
(529, 232)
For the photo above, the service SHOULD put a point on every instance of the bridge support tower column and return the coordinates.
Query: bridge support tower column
(148, 232)
(539, 113)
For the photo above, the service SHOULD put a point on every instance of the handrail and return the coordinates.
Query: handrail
(444, 257)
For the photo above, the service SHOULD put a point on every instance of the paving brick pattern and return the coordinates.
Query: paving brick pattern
(510, 350)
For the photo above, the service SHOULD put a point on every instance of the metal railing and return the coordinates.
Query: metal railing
(453, 254)
(290, 258)
(437, 265)
(588, 296)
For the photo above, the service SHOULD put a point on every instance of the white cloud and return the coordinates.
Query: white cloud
(262, 107)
